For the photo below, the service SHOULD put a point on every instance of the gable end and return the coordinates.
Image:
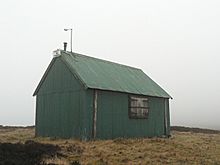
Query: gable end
(51, 65)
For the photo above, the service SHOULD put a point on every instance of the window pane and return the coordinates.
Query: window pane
(139, 112)
(145, 103)
(134, 110)
(134, 103)
(138, 102)
(145, 112)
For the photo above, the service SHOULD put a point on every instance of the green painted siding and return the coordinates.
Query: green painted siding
(60, 104)
(59, 79)
(87, 116)
(113, 120)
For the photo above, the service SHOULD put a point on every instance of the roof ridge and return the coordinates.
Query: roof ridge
(98, 59)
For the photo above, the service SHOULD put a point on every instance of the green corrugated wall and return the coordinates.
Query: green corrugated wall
(60, 104)
(87, 116)
(113, 120)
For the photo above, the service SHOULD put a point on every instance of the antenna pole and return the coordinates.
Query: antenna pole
(71, 38)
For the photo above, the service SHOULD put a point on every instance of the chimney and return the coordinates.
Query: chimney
(65, 45)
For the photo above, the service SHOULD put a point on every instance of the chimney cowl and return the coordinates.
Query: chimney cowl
(65, 46)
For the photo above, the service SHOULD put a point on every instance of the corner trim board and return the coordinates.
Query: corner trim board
(165, 117)
(95, 108)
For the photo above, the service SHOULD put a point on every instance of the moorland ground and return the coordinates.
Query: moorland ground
(19, 146)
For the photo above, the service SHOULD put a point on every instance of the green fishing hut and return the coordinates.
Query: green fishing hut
(88, 98)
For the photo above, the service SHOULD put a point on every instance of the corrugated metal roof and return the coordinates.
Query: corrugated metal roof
(100, 74)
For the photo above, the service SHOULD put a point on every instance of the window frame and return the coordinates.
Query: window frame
(129, 107)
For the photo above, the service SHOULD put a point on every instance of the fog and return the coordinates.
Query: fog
(176, 43)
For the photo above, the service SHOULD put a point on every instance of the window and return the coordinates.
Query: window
(138, 107)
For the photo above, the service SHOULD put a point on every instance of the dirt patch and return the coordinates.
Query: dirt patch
(28, 153)
(73, 148)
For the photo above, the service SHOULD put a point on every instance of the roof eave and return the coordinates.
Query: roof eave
(112, 90)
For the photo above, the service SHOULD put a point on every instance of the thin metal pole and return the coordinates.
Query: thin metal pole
(95, 106)
(71, 39)
(165, 117)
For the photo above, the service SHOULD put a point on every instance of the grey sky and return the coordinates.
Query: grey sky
(177, 43)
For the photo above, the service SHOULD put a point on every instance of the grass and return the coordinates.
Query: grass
(181, 148)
